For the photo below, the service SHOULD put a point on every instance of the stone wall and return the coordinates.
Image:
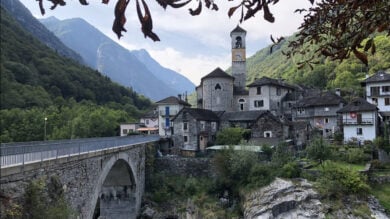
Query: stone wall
(184, 166)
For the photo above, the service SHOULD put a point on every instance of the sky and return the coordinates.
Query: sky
(191, 45)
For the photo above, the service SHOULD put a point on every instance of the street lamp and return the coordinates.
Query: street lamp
(44, 137)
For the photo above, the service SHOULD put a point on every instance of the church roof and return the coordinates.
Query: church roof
(173, 100)
(380, 76)
(217, 73)
(270, 81)
(322, 99)
(358, 105)
(243, 115)
(238, 29)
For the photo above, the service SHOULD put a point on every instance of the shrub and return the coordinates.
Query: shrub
(318, 149)
(290, 170)
(356, 155)
(336, 181)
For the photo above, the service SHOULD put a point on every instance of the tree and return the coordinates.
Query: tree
(229, 136)
(318, 149)
(337, 27)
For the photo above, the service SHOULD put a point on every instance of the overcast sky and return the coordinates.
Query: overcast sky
(192, 46)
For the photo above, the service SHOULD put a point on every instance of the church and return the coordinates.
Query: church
(225, 100)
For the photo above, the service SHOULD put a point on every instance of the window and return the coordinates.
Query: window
(185, 126)
(278, 91)
(217, 87)
(213, 126)
(374, 101)
(124, 131)
(202, 125)
(387, 101)
(374, 91)
(301, 110)
(185, 138)
(385, 88)
(147, 122)
(259, 103)
(258, 90)
(268, 134)
(359, 131)
(326, 120)
(289, 105)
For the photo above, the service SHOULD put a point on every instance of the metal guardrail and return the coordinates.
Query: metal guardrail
(21, 153)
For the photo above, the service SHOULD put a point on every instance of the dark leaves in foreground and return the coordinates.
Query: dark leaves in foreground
(120, 18)
(146, 21)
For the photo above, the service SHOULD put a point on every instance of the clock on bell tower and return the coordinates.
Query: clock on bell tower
(238, 56)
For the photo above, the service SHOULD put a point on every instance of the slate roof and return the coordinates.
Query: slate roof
(199, 114)
(238, 29)
(358, 105)
(173, 100)
(151, 114)
(380, 76)
(322, 99)
(243, 115)
(269, 81)
(218, 73)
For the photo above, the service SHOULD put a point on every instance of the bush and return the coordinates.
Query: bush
(337, 181)
(356, 155)
(229, 136)
(290, 170)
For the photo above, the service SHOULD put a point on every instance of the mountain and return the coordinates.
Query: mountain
(33, 75)
(175, 80)
(134, 69)
(327, 74)
(23, 16)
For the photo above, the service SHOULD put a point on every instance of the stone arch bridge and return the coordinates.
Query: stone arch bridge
(102, 177)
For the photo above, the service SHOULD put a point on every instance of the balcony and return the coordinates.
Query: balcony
(363, 121)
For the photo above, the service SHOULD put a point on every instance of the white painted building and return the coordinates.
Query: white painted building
(377, 89)
(359, 121)
(128, 128)
(167, 109)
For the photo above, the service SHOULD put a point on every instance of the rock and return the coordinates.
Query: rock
(284, 199)
(148, 212)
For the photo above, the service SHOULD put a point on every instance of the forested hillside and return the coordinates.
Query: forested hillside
(327, 74)
(37, 83)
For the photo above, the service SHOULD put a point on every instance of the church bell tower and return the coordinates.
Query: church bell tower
(238, 57)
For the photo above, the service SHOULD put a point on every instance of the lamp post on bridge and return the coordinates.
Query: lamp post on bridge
(44, 136)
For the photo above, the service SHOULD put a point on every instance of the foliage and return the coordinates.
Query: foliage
(356, 155)
(267, 150)
(229, 136)
(382, 193)
(337, 180)
(318, 149)
(45, 200)
(281, 155)
(290, 170)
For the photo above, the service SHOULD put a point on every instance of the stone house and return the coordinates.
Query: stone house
(167, 109)
(267, 94)
(359, 121)
(149, 123)
(265, 127)
(377, 89)
(321, 111)
(194, 129)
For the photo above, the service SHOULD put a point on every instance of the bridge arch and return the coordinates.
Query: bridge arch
(117, 189)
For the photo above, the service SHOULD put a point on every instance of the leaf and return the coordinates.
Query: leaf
(105, 1)
(197, 10)
(83, 2)
(361, 56)
(178, 5)
(267, 14)
(368, 45)
(120, 18)
(41, 7)
(232, 10)
(272, 39)
(57, 2)
(146, 21)
(208, 3)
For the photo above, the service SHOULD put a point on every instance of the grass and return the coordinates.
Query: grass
(354, 167)
(382, 193)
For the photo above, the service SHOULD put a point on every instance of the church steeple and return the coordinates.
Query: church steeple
(238, 56)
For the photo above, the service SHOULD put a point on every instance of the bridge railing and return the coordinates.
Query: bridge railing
(20, 153)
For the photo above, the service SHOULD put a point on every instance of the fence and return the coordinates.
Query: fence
(14, 154)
